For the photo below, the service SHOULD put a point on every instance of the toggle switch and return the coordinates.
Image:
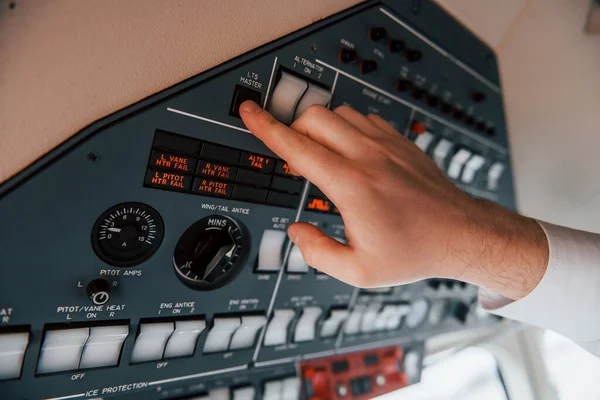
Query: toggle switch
(418, 313)
(244, 393)
(12, 351)
(270, 250)
(219, 336)
(313, 95)
(61, 350)
(352, 326)
(244, 336)
(386, 314)
(494, 174)
(150, 343)
(367, 324)
(296, 263)
(457, 162)
(183, 341)
(286, 96)
(331, 325)
(306, 326)
(472, 167)
(424, 140)
(401, 311)
(277, 330)
(441, 151)
(103, 348)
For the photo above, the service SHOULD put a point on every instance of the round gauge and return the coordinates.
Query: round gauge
(209, 252)
(127, 234)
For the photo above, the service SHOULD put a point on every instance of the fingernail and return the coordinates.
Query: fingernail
(294, 237)
(250, 107)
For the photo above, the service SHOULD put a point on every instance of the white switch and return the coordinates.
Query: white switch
(296, 263)
(332, 324)
(270, 250)
(291, 388)
(494, 174)
(277, 329)
(62, 349)
(285, 97)
(219, 394)
(387, 313)
(457, 163)
(401, 311)
(313, 95)
(367, 324)
(220, 335)
(12, 351)
(244, 393)
(418, 313)
(273, 390)
(437, 312)
(150, 343)
(352, 326)
(472, 167)
(306, 326)
(441, 151)
(103, 348)
(245, 335)
(424, 140)
(183, 340)
(412, 365)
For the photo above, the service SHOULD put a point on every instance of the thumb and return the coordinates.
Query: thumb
(325, 253)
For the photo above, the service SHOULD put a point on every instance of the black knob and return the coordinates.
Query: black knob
(98, 291)
(377, 33)
(445, 108)
(469, 120)
(432, 100)
(418, 93)
(207, 254)
(346, 55)
(413, 56)
(480, 126)
(460, 311)
(490, 131)
(477, 97)
(368, 66)
(403, 85)
(396, 46)
(458, 114)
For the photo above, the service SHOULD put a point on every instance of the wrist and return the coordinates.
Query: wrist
(505, 252)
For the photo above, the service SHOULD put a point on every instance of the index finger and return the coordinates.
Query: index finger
(305, 156)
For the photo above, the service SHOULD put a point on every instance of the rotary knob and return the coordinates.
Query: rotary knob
(98, 291)
(208, 253)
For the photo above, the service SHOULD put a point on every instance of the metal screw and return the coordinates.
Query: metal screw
(313, 48)
(93, 157)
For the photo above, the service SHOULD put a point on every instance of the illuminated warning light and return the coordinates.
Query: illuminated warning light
(176, 162)
(217, 171)
(213, 188)
(319, 205)
(282, 168)
(419, 127)
(257, 161)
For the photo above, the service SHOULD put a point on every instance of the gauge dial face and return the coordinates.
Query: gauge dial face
(127, 234)
(208, 253)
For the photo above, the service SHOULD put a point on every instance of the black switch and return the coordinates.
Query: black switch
(396, 46)
(413, 55)
(368, 66)
(377, 33)
(347, 55)
(403, 85)
(240, 95)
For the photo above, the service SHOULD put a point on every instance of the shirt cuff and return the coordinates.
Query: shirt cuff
(567, 299)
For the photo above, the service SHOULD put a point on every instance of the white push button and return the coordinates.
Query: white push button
(245, 335)
(244, 393)
(313, 95)
(332, 324)
(220, 335)
(277, 329)
(367, 323)
(183, 341)
(291, 388)
(62, 349)
(306, 326)
(103, 348)
(424, 140)
(494, 174)
(400, 312)
(273, 390)
(457, 163)
(219, 394)
(150, 343)
(441, 151)
(383, 317)
(286, 96)
(472, 167)
(12, 351)
(270, 250)
(418, 313)
(352, 326)
(296, 263)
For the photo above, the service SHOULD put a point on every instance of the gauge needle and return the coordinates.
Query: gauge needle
(114, 229)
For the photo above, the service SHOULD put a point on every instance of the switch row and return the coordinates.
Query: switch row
(294, 95)
(282, 389)
(225, 393)
(458, 162)
(277, 332)
(375, 318)
(270, 253)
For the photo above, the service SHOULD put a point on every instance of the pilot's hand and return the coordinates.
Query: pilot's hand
(404, 219)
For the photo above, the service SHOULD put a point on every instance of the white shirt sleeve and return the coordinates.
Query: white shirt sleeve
(567, 299)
